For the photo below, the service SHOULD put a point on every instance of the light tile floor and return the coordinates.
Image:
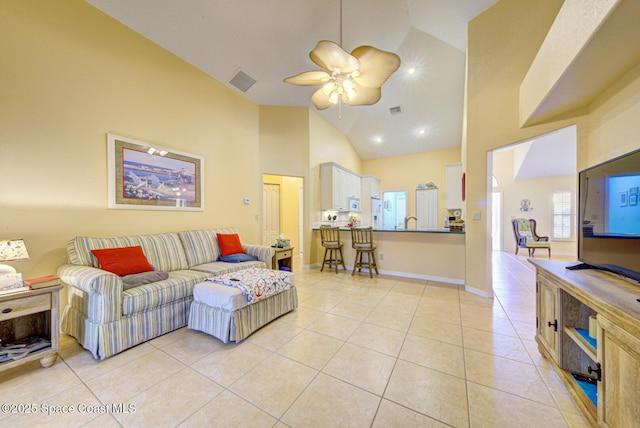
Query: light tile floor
(359, 352)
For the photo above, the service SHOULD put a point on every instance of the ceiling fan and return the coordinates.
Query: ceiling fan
(353, 79)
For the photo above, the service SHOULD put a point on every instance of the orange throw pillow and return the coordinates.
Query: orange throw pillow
(123, 261)
(229, 244)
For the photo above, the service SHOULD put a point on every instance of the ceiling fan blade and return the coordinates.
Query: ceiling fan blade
(364, 96)
(329, 55)
(308, 78)
(376, 66)
(321, 100)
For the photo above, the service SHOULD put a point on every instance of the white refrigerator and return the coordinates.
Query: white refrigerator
(376, 213)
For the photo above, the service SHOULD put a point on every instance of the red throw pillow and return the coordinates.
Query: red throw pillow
(229, 244)
(123, 261)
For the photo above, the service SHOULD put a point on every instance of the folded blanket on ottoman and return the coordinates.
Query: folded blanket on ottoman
(255, 283)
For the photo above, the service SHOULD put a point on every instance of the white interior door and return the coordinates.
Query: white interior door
(301, 214)
(270, 213)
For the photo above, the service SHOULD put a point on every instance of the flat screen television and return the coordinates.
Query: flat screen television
(609, 216)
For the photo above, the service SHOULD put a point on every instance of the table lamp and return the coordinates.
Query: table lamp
(11, 250)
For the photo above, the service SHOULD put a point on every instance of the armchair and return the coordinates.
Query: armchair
(525, 234)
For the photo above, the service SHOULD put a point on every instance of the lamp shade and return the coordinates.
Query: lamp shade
(14, 249)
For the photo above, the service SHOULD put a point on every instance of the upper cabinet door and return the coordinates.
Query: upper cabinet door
(427, 209)
(370, 187)
(337, 186)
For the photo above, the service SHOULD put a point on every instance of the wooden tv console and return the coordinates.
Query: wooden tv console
(565, 299)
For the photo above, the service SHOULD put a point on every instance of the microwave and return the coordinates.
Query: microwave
(354, 205)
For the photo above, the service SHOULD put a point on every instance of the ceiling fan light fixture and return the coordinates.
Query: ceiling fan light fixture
(329, 87)
(358, 75)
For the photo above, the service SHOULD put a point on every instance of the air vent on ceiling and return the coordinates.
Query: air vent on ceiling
(242, 81)
(395, 110)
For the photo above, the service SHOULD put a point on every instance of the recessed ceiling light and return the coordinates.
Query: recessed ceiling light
(421, 131)
(378, 139)
(411, 70)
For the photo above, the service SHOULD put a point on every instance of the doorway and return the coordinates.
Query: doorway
(270, 213)
(283, 214)
(394, 209)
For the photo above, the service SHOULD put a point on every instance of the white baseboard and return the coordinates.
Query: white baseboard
(402, 275)
(477, 292)
(452, 281)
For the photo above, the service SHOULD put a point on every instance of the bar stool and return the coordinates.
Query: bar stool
(331, 242)
(362, 242)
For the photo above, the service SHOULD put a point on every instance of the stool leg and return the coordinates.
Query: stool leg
(369, 260)
(336, 258)
(355, 263)
(375, 264)
(324, 259)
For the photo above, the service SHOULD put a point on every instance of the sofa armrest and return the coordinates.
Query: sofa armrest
(95, 292)
(262, 252)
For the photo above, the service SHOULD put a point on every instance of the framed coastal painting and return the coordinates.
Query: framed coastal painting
(145, 176)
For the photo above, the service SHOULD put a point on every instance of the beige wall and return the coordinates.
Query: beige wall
(284, 151)
(502, 43)
(284, 140)
(70, 74)
(613, 125)
(326, 144)
(406, 172)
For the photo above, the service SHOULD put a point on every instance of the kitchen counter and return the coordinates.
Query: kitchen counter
(433, 255)
(447, 231)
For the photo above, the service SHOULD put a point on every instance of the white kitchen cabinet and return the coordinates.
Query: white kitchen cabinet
(353, 188)
(337, 186)
(427, 208)
(370, 187)
(453, 196)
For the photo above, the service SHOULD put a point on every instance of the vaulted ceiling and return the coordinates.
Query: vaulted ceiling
(271, 40)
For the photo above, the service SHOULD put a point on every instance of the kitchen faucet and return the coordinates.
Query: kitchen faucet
(406, 221)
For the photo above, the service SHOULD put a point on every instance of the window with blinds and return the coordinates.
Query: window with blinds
(563, 214)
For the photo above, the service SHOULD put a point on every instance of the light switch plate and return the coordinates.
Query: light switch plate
(475, 215)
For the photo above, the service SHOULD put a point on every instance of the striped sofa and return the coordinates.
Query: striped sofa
(107, 320)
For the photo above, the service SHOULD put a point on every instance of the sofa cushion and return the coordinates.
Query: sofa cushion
(146, 297)
(123, 261)
(229, 243)
(220, 268)
(137, 279)
(163, 251)
(201, 246)
(237, 258)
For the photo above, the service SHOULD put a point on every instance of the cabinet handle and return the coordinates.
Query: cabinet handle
(6, 310)
(553, 324)
(597, 371)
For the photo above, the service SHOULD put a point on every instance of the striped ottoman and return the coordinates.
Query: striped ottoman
(223, 311)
